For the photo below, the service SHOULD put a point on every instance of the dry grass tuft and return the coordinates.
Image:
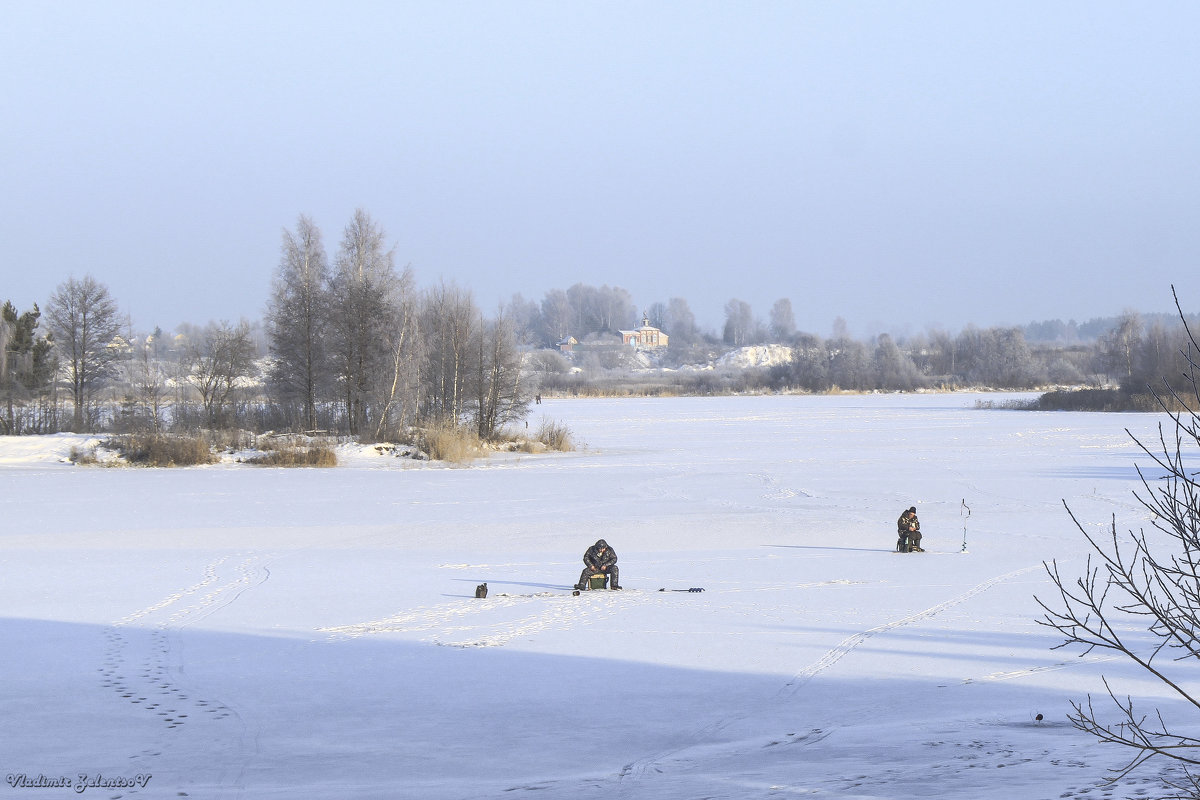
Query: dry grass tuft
(556, 436)
(297, 456)
(454, 445)
(85, 458)
(164, 450)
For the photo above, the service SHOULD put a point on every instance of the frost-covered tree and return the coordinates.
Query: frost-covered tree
(1005, 359)
(604, 309)
(941, 358)
(894, 370)
(783, 322)
(449, 322)
(556, 316)
(216, 364)
(298, 322)
(810, 362)
(365, 295)
(615, 309)
(396, 397)
(679, 323)
(499, 395)
(850, 365)
(1159, 351)
(83, 319)
(739, 323)
(995, 357)
(526, 318)
(148, 382)
(1119, 346)
(807, 368)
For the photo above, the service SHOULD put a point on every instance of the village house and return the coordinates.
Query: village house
(645, 337)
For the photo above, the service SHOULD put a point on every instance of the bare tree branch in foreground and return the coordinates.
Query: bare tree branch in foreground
(1139, 596)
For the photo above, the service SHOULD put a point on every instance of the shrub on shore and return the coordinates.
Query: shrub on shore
(296, 456)
(84, 458)
(164, 450)
(1102, 400)
(555, 435)
(450, 443)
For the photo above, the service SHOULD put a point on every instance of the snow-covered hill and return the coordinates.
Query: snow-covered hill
(759, 355)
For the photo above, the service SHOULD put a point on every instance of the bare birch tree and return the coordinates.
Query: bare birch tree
(363, 302)
(1119, 345)
(217, 364)
(783, 322)
(739, 323)
(499, 396)
(298, 320)
(82, 317)
(893, 368)
(399, 393)
(556, 316)
(680, 323)
(149, 381)
(448, 317)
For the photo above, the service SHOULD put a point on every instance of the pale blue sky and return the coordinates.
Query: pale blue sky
(900, 165)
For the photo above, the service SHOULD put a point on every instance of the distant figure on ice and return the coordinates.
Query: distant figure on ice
(599, 559)
(908, 528)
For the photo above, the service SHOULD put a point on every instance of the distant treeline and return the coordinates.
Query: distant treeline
(1131, 355)
(1115, 370)
(1055, 331)
(351, 345)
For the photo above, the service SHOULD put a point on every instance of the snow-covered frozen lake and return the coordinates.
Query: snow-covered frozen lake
(245, 632)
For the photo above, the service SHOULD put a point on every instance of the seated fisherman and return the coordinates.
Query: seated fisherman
(599, 558)
(908, 527)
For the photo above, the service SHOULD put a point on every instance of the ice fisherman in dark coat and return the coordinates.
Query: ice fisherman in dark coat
(908, 528)
(599, 558)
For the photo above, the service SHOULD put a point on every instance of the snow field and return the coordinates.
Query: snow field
(246, 632)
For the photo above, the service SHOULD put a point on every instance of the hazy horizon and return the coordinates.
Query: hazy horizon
(705, 329)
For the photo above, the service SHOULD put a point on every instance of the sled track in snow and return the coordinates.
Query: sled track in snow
(484, 623)
(636, 770)
(143, 666)
(1023, 673)
(848, 644)
(774, 490)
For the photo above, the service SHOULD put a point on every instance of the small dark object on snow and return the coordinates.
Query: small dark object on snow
(575, 593)
(481, 590)
(1038, 717)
